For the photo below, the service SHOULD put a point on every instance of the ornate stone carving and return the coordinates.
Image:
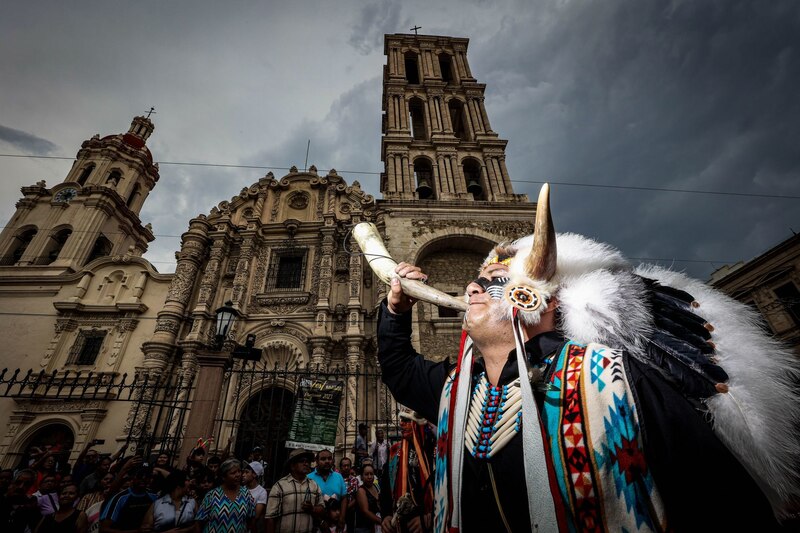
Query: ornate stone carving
(276, 203)
(181, 286)
(169, 325)
(298, 200)
(504, 229)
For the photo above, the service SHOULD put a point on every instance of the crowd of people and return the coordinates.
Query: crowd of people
(209, 493)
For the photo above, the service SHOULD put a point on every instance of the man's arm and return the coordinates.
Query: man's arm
(413, 380)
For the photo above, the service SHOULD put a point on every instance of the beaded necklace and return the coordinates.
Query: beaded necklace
(495, 417)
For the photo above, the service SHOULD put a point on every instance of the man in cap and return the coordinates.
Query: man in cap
(294, 500)
(593, 439)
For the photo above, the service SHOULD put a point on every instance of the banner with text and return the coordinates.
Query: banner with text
(316, 415)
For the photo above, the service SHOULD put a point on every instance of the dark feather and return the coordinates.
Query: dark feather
(680, 343)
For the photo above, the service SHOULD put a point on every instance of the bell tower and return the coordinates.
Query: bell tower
(437, 141)
(94, 212)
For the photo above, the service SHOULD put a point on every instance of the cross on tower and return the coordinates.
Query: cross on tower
(415, 28)
(152, 110)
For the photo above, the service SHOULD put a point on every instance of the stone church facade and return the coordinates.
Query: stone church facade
(280, 252)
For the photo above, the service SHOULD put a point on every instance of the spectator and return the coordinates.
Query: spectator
(98, 495)
(91, 482)
(332, 523)
(47, 495)
(258, 464)
(379, 452)
(44, 466)
(330, 483)
(125, 510)
(205, 481)
(367, 505)
(18, 511)
(86, 462)
(294, 500)
(213, 464)
(351, 481)
(258, 492)
(360, 447)
(228, 508)
(195, 461)
(67, 519)
(6, 478)
(175, 510)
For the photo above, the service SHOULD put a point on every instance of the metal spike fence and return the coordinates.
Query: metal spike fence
(256, 408)
(157, 403)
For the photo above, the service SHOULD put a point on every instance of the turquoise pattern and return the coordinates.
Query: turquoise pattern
(223, 515)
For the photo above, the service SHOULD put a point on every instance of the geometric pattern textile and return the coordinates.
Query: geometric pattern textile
(222, 515)
(595, 443)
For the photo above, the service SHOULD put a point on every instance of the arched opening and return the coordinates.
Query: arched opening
(457, 118)
(134, 195)
(423, 173)
(57, 438)
(54, 246)
(472, 177)
(85, 173)
(412, 68)
(114, 178)
(446, 67)
(102, 247)
(265, 421)
(416, 112)
(18, 246)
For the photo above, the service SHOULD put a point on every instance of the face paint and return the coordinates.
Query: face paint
(493, 286)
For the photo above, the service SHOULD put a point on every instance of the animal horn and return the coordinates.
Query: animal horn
(376, 254)
(541, 262)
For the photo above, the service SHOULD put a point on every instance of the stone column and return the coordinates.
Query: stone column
(482, 108)
(208, 390)
(239, 295)
(506, 178)
(319, 354)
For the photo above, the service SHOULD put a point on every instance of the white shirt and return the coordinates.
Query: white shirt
(259, 494)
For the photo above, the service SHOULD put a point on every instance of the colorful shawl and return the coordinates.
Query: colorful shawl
(597, 472)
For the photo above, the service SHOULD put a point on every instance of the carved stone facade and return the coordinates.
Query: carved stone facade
(770, 284)
(280, 252)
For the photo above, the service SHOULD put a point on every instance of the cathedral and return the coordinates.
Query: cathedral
(131, 358)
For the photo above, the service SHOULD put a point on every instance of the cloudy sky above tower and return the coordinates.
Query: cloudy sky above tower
(619, 104)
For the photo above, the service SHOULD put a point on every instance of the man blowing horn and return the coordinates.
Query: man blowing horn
(579, 409)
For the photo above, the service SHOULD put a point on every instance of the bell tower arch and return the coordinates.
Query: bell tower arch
(93, 212)
(433, 110)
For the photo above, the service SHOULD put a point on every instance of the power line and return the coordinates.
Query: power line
(372, 173)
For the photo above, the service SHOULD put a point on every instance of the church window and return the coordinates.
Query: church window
(134, 194)
(457, 118)
(114, 178)
(287, 271)
(102, 247)
(54, 246)
(412, 68)
(18, 246)
(423, 173)
(416, 112)
(789, 297)
(85, 174)
(446, 67)
(87, 347)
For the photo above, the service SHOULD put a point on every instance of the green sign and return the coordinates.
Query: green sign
(316, 415)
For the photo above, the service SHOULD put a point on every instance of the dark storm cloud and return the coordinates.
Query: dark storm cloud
(690, 95)
(25, 141)
(374, 20)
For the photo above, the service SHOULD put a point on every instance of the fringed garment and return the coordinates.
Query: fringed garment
(591, 437)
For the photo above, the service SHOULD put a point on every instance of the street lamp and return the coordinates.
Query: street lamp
(226, 316)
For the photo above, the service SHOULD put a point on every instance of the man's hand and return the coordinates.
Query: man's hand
(398, 302)
(307, 507)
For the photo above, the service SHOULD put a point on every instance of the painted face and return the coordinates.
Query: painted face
(485, 297)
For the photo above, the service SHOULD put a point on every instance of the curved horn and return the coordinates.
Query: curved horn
(541, 262)
(369, 240)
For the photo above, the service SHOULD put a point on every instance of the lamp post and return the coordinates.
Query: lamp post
(226, 316)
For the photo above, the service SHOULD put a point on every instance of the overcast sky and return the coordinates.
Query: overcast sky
(693, 95)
